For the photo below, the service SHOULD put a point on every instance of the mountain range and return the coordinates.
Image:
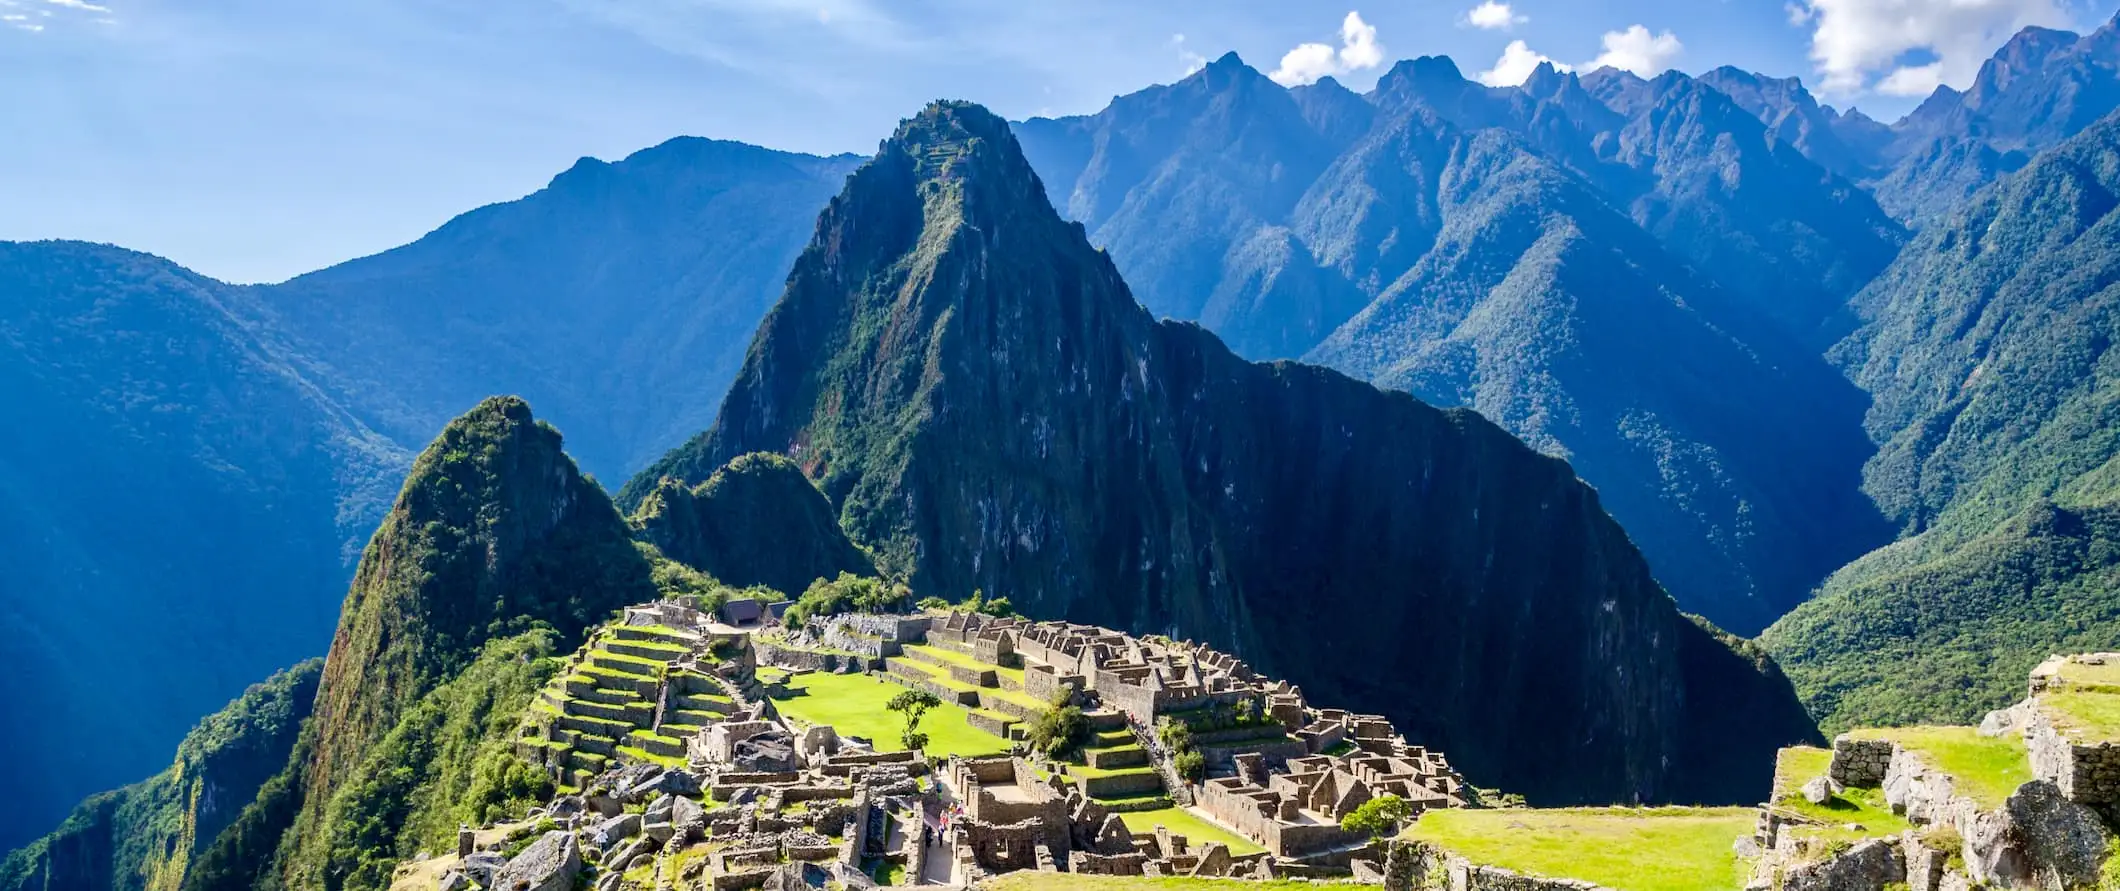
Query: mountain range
(1794, 350)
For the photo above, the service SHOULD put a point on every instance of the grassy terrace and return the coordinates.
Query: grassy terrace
(2103, 678)
(1626, 849)
(1984, 769)
(854, 705)
(1797, 765)
(1197, 830)
(2083, 715)
(962, 658)
(1061, 881)
(942, 676)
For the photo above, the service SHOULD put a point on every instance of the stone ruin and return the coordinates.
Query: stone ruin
(670, 753)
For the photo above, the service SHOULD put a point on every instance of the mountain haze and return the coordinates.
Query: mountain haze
(173, 493)
(618, 298)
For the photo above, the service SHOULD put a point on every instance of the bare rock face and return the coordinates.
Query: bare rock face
(2061, 839)
(550, 864)
(1868, 866)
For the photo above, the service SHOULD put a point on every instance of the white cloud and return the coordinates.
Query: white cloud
(1310, 62)
(1639, 51)
(1862, 44)
(82, 5)
(1515, 66)
(1193, 61)
(1492, 16)
(1912, 80)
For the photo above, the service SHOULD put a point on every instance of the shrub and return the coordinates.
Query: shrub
(1059, 731)
(1378, 816)
(1190, 764)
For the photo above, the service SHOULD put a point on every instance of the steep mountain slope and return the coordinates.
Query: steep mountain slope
(1747, 209)
(172, 494)
(973, 386)
(756, 521)
(618, 298)
(495, 533)
(1704, 453)
(143, 836)
(1735, 464)
(1850, 143)
(1988, 352)
(1193, 184)
(2040, 88)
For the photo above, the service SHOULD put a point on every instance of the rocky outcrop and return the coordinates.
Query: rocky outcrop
(1869, 865)
(974, 388)
(550, 864)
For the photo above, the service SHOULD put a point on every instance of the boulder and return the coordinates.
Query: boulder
(2004, 721)
(1868, 866)
(615, 829)
(686, 813)
(639, 847)
(454, 880)
(481, 866)
(1818, 791)
(2060, 837)
(550, 864)
(609, 882)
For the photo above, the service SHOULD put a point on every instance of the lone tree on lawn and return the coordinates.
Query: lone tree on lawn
(914, 703)
(1378, 816)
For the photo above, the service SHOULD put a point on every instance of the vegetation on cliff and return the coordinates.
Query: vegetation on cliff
(143, 837)
(495, 535)
(755, 521)
(1510, 249)
(1987, 349)
(975, 390)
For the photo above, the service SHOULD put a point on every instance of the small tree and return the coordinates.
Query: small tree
(1378, 816)
(998, 607)
(1190, 764)
(914, 705)
(1059, 730)
(927, 603)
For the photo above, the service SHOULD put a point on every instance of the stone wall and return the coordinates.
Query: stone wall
(1045, 684)
(1860, 763)
(774, 654)
(989, 723)
(1419, 866)
(2085, 774)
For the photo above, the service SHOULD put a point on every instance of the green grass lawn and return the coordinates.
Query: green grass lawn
(1197, 831)
(1797, 765)
(1627, 849)
(854, 705)
(2083, 715)
(1983, 768)
(2100, 677)
(1027, 880)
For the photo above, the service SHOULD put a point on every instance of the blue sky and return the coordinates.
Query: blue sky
(255, 140)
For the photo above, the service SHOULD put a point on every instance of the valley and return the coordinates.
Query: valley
(1696, 464)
